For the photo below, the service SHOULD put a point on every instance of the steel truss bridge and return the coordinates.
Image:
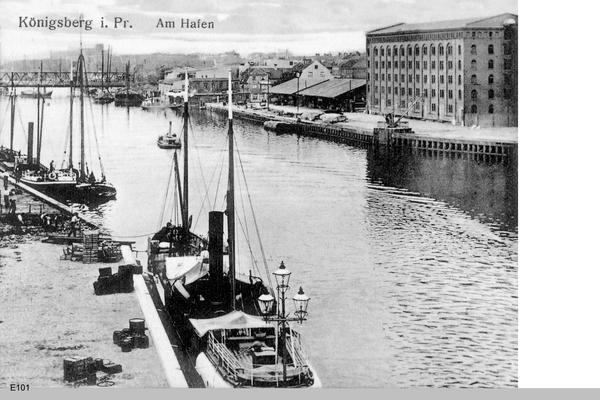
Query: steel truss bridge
(61, 79)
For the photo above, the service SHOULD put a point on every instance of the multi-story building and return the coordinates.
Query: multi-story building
(461, 71)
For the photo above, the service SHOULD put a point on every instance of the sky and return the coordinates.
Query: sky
(301, 27)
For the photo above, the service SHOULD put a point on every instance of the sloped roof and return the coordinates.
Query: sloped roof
(291, 86)
(494, 21)
(334, 88)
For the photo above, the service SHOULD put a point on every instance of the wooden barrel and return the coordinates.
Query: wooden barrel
(137, 326)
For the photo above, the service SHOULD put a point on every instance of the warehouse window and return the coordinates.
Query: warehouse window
(491, 64)
(474, 94)
(474, 109)
(490, 94)
(491, 47)
(424, 50)
(491, 109)
(473, 49)
(473, 79)
(491, 79)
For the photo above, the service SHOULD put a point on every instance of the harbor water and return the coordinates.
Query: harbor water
(410, 260)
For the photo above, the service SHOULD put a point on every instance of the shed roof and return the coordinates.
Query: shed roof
(291, 86)
(334, 88)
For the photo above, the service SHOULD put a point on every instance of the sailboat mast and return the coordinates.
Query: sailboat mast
(80, 77)
(71, 95)
(184, 206)
(13, 99)
(102, 71)
(39, 96)
(231, 199)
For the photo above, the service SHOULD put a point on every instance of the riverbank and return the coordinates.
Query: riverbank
(366, 123)
(49, 312)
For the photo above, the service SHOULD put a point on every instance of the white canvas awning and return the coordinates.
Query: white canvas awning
(233, 320)
(191, 267)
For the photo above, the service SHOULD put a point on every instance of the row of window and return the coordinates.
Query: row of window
(442, 93)
(441, 78)
(474, 109)
(417, 49)
(432, 49)
(417, 78)
(417, 64)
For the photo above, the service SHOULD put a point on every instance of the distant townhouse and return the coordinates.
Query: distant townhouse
(462, 71)
(353, 68)
(257, 81)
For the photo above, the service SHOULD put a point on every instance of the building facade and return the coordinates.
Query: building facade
(463, 71)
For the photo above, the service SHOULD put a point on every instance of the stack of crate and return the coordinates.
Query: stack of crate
(91, 241)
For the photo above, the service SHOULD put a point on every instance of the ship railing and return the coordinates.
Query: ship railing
(294, 347)
(226, 358)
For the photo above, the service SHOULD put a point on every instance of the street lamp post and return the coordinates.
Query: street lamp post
(298, 94)
(282, 276)
(268, 86)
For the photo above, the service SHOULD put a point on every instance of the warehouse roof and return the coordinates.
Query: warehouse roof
(334, 88)
(495, 21)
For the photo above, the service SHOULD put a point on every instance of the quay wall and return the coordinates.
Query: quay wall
(386, 137)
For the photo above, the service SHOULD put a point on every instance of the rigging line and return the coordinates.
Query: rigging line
(22, 126)
(132, 237)
(221, 154)
(241, 198)
(162, 211)
(222, 163)
(200, 164)
(252, 258)
(95, 135)
(5, 113)
(262, 250)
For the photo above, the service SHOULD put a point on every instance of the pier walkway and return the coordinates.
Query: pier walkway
(369, 129)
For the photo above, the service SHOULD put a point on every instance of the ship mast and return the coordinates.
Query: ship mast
(184, 205)
(231, 199)
(13, 99)
(80, 66)
(71, 95)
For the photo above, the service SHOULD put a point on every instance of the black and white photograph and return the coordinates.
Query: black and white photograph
(259, 194)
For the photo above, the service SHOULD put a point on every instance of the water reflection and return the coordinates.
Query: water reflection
(485, 187)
